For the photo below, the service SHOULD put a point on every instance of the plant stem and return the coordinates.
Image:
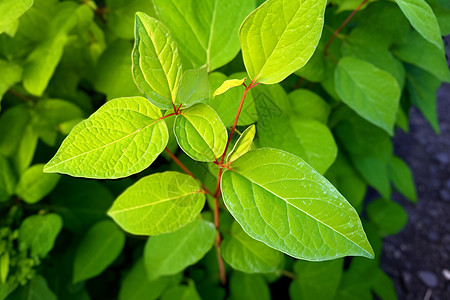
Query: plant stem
(335, 34)
(288, 274)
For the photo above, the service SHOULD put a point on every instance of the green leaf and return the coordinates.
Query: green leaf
(13, 124)
(80, 202)
(422, 18)
(11, 10)
(38, 233)
(228, 84)
(121, 14)
(310, 106)
(279, 37)
(402, 178)
(248, 255)
(194, 87)
(10, 75)
(182, 292)
(390, 217)
(34, 184)
(422, 54)
(422, 88)
(248, 286)
(7, 179)
(136, 286)
(226, 105)
(243, 144)
(171, 253)
(280, 200)
(99, 248)
(314, 70)
(36, 289)
(373, 93)
(316, 280)
(205, 30)
(24, 153)
(201, 133)
(122, 138)
(156, 62)
(4, 267)
(144, 210)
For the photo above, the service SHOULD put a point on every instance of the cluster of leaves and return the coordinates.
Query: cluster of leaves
(275, 111)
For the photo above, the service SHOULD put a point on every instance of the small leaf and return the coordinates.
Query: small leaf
(7, 179)
(194, 87)
(143, 209)
(243, 144)
(4, 267)
(279, 37)
(373, 93)
(280, 200)
(390, 217)
(122, 138)
(34, 184)
(156, 62)
(10, 75)
(38, 233)
(201, 133)
(422, 18)
(248, 255)
(182, 292)
(228, 84)
(99, 248)
(402, 178)
(248, 286)
(171, 253)
(11, 10)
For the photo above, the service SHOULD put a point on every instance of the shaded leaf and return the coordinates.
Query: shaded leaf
(402, 178)
(34, 184)
(390, 217)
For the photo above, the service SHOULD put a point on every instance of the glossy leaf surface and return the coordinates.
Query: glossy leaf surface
(280, 200)
(279, 37)
(122, 138)
(143, 209)
(228, 84)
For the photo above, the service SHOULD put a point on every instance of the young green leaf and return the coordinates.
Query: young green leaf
(373, 93)
(11, 10)
(402, 178)
(4, 267)
(99, 248)
(201, 133)
(243, 144)
(122, 138)
(194, 87)
(279, 37)
(248, 255)
(171, 253)
(156, 62)
(228, 84)
(34, 184)
(422, 18)
(280, 200)
(38, 233)
(205, 30)
(143, 209)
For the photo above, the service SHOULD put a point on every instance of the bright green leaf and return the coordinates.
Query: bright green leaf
(122, 138)
(402, 178)
(34, 184)
(390, 217)
(156, 62)
(228, 84)
(194, 87)
(11, 10)
(171, 253)
(201, 133)
(248, 286)
(279, 37)
(316, 280)
(280, 200)
(371, 92)
(38, 233)
(248, 255)
(144, 210)
(205, 30)
(314, 70)
(99, 248)
(4, 267)
(308, 105)
(422, 18)
(243, 144)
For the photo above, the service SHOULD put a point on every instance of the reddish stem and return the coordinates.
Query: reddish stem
(335, 34)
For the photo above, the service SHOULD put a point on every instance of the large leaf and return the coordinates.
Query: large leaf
(280, 200)
(99, 248)
(156, 62)
(205, 30)
(316, 280)
(422, 18)
(144, 209)
(371, 92)
(279, 37)
(38, 233)
(122, 138)
(11, 10)
(201, 133)
(248, 255)
(171, 253)
(34, 184)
